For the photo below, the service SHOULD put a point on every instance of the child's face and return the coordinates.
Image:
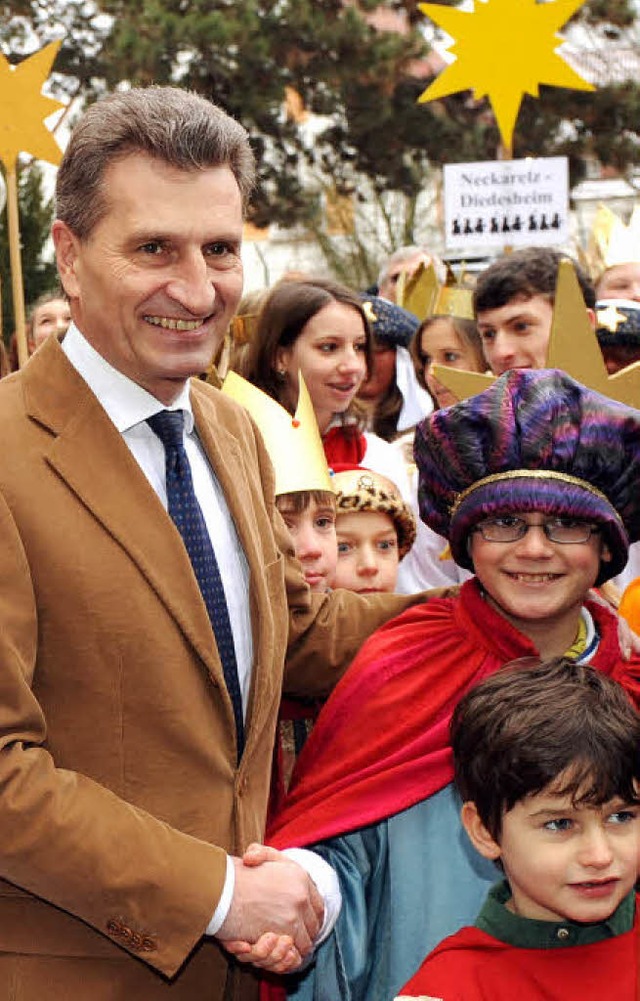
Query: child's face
(516, 335)
(314, 537)
(382, 374)
(567, 862)
(367, 552)
(440, 344)
(534, 580)
(51, 318)
(622, 281)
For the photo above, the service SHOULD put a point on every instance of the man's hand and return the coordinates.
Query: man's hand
(272, 894)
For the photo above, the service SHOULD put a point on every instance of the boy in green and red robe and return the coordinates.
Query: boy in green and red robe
(546, 762)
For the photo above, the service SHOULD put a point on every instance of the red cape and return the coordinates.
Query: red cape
(381, 742)
(474, 966)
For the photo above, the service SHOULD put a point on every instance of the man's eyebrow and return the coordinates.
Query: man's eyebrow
(509, 319)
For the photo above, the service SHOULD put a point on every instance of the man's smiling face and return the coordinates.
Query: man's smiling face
(154, 285)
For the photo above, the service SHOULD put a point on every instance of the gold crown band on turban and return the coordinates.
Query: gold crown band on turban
(531, 474)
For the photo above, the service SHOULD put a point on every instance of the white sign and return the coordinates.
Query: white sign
(506, 203)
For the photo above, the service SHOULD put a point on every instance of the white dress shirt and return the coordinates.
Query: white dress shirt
(129, 406)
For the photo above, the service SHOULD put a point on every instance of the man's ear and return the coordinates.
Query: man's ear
(66, 245)
(478, 834)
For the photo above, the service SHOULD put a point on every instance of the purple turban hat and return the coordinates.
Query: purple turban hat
(536, 440)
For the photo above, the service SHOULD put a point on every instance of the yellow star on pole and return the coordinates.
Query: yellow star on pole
(23, 108)
(573, 347)
(505, 49)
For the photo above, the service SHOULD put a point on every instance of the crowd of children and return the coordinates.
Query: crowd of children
(533, 484)
(529, 491)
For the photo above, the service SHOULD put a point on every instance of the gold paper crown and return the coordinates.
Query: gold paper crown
(573, 347)
(423, 295)
(418, 292)
(293, 443)
(613, 242)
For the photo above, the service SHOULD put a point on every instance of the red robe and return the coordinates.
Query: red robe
(473, 966)
(381, 742)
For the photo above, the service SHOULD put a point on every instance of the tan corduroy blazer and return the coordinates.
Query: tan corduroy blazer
(119, 792)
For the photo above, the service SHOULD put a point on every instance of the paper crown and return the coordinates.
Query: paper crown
(573, 347)
(421, 293)
(613, 242)
(293, 443)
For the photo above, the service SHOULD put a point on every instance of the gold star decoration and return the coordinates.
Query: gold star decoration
(610, 318)
(368, 311)
(23, 108)
(505, 49)
(573, 347)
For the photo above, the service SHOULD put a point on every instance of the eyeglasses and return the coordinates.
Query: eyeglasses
(566, 531)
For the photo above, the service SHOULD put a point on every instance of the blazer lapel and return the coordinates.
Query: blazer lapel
(92, 458)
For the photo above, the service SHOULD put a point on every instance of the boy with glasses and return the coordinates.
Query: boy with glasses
(534, 484)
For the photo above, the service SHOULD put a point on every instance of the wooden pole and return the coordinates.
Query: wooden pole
(16, 267)
(505, 152)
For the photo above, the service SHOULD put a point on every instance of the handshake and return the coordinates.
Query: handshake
(276, 912)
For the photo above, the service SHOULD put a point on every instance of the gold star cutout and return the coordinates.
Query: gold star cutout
(506, 48)
(573, 347)
(23, 108)
(610, 319)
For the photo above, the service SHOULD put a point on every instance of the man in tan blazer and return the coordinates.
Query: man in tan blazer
(123, 807)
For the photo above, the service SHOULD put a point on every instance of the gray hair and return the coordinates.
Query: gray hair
(176, 126)
(404, 254)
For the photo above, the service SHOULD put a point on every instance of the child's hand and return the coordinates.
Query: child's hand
(257, 854)
(275, 953)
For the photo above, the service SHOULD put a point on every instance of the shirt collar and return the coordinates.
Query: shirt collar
(126, 403)
(527, 933)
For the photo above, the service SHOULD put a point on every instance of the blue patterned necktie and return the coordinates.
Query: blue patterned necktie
(187, 516)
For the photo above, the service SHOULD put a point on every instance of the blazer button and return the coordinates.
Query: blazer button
(148, 945)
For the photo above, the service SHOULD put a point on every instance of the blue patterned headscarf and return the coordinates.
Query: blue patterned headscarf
(390, 324)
